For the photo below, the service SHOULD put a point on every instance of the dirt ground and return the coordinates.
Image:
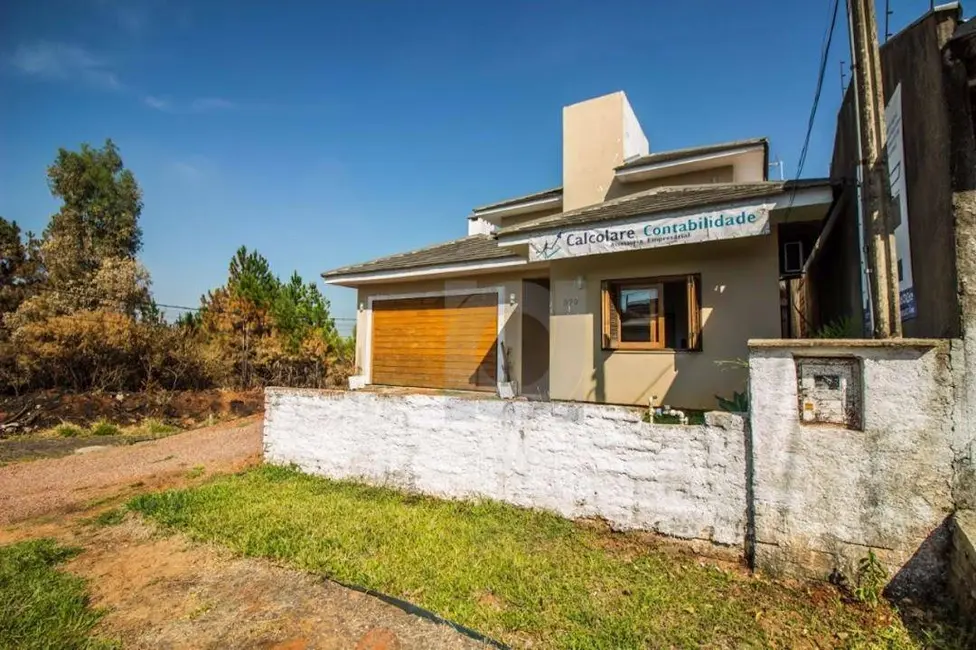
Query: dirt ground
(163, 591)
(62, 485)
(181, 408)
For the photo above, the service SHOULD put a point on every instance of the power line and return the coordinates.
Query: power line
(150, 303)
(824, 53)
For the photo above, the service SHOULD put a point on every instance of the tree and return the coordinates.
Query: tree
(99, 217)
(88, 250)
(250, 278)
(300, 311)
(20, 269)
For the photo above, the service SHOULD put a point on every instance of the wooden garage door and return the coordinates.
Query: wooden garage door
(443, 342)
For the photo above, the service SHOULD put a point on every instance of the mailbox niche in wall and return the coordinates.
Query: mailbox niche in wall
(829, 391)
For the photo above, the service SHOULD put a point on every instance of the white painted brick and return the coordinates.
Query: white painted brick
(577, 460)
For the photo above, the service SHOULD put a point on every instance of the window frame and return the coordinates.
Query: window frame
(610, 310)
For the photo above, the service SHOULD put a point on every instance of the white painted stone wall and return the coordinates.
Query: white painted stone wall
(579, 460)
(824, 494)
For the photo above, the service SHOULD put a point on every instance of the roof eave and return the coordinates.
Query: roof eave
(806, 193)
(395, 275)
(637, 173)
(513, 209)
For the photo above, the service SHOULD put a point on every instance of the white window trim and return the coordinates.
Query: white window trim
(499, 320)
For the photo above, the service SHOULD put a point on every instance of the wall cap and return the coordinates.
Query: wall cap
(755, 344)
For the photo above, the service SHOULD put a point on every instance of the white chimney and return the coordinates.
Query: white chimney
(478, 226)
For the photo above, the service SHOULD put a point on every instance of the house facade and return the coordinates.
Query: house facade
(639, 280)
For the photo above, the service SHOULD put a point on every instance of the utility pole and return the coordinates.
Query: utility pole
(880, 237)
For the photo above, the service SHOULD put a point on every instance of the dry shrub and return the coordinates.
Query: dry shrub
(108, 351)
(100, 351)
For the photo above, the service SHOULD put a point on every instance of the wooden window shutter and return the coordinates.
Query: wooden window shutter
(694, 314)
(611, 316)
(657, 316)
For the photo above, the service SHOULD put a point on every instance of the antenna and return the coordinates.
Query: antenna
(888, 13)
(779, 163)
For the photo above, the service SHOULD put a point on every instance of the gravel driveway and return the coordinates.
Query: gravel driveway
(60, 485)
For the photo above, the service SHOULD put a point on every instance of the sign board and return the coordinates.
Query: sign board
(899, 202)
(652, 233)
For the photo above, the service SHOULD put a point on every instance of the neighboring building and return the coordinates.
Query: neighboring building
(632, 282)
(929, 74)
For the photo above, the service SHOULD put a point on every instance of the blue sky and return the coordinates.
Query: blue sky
(329, 133)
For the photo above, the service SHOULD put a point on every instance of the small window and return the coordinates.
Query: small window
(652, 314)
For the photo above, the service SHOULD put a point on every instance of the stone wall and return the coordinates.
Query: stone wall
(579, 460)
(824, 494)
(962, 564)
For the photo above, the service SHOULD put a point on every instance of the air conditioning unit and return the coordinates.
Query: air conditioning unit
(794, 257)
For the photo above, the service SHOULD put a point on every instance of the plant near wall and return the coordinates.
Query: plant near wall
(871, 580)
(839, 328)
(738, 404)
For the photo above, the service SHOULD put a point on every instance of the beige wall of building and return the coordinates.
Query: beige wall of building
(593, 145)
(724, 174)
(739, 301)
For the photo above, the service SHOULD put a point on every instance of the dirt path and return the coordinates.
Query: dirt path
(163, 591)
(62, 485)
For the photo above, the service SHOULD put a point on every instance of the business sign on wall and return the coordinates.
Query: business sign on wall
(899, 202)
(652, 233)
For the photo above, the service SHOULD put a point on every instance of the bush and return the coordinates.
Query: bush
(101, 351)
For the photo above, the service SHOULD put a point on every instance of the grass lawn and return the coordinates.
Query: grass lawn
(40, 605)
(522, 577)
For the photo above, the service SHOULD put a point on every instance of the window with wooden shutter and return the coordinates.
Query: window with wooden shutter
(694, 313)
(651, 314)
(611, 316)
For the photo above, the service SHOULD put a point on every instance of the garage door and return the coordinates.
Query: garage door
(442, 342)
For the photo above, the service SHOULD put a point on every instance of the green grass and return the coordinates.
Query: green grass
(196, 471)
(67, 430)
(155, 428)
(104, 428)
(520, 576)
(111, 517)
(41, 606)
(149, 427)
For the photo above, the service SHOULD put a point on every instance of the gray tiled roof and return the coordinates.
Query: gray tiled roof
(467, 249)
(662, 199)
(536, 196)
(678, 154)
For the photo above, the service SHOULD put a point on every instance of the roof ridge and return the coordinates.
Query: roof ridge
(516, 199)
(668, 192)
(659, 190)
(717, 146)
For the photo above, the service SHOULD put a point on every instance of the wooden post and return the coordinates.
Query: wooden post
(880, 237)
